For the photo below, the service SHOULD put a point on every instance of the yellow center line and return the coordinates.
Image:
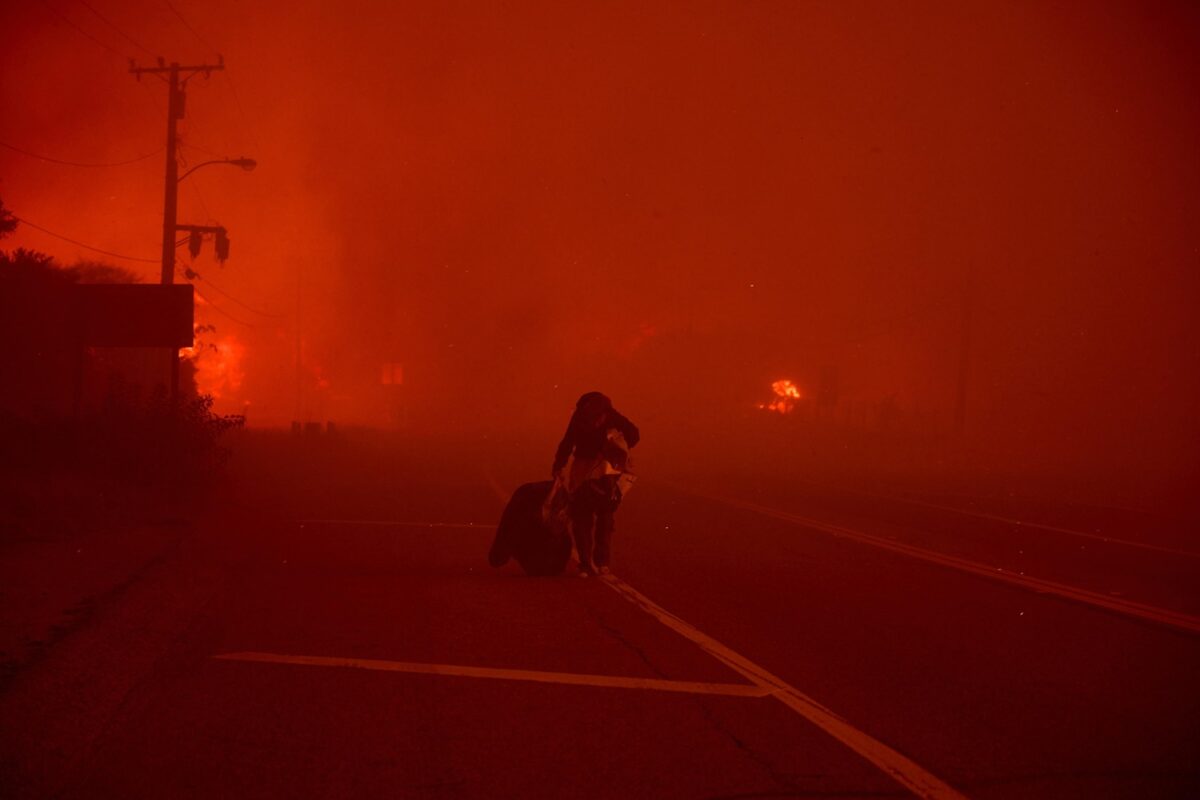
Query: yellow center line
(535, 676)
(1162, 616)
(902, 769)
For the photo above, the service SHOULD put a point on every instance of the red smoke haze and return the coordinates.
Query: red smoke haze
(678, 204)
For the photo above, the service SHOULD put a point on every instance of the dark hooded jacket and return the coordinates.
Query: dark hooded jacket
(588, 441)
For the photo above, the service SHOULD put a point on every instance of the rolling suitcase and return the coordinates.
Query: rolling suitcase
(533, 531)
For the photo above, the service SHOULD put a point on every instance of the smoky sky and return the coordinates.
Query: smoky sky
(674, 202)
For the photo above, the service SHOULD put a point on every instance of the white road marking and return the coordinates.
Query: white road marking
(899, 767)
(535, 676)
(1175, 619)
(902, 769)
(1013, 521)
(391, 523)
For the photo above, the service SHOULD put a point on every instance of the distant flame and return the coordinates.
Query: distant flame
(786, 395)
(218, 365)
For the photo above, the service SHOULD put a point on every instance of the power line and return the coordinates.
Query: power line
(188, 25)
(66, 21)
(40, 157)
(196, 190)
(242, 112)
(63, 18)
(226, 294)
(237, 100)
(183, 142)
(200, 199)
(81, 244)
(109, 23)
(220, 310)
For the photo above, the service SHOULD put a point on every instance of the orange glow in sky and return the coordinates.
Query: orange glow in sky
(896, 205)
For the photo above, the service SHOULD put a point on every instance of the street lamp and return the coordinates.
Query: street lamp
(195, 230)
(245, 163)
(170, 225)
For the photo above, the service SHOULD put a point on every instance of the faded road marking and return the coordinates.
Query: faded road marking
(902, 769)
(1162, 616)
(391, 523)
(535, 676)
(1100, 537)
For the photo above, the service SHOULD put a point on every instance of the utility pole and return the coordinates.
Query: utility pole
(175, 110)
(299, 354)
(964, 352)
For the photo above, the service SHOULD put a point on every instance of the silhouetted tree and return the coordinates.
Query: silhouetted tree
(87, 271)
(39, 354)
(140, 437)
(8, 223)
(37, 351)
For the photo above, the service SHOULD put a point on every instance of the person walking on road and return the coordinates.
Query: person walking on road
(592, 463)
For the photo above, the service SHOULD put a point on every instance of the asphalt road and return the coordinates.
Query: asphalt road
(332, 629)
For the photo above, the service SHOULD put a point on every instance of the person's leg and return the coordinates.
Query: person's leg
(582, 513)
(604, 532)
(606, 508)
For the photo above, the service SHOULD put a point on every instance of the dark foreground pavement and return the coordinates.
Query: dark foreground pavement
(335, 631)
